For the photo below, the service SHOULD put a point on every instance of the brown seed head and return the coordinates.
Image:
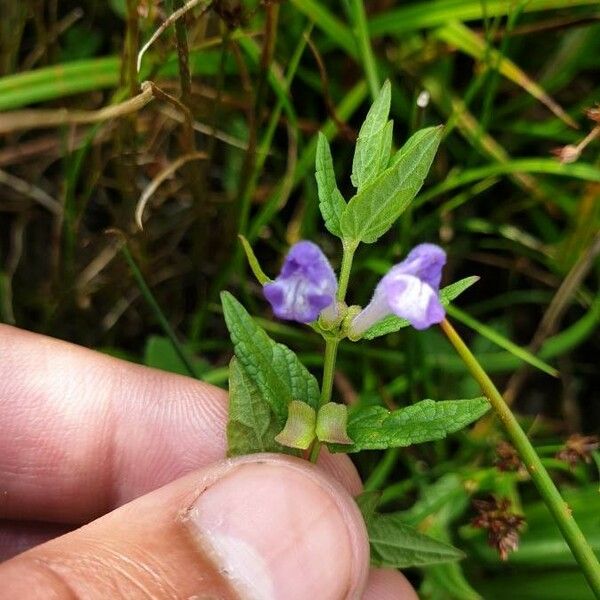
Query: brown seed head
(578, 448)
(502, 525)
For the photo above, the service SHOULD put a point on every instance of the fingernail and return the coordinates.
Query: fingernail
(278, 529)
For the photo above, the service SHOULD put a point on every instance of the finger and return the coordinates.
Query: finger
(16, 536)
(387, 584)
(19, 536)
(262, 527)
(84, 432)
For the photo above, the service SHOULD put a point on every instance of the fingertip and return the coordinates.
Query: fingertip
(284, 530)
(389, 584)
(270, 526)
(341, 468)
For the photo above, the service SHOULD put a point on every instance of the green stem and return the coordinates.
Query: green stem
(331, 344)
(365, 50)
(331, 347)
(158, 313)
(548, 491)
(347, 258)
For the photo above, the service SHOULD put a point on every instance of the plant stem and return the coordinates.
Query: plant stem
(548, 491)
(158, 313)
(347, 258)
(331, 344)
(331, 347)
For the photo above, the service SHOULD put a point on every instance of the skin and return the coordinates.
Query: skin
(113, 483)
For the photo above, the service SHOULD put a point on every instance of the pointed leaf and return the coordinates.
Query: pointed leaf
(252, 425)
(392, 323)
(260, 275)
(278, 374)
(375, 208)
(397, 545)
(372, 139)
(331, 201)
(376, 428)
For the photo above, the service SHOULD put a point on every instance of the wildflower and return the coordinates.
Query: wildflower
(409, 290)
(502, 525)
(578, 448)
(305, 287)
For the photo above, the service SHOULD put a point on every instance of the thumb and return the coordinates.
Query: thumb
(259, 527)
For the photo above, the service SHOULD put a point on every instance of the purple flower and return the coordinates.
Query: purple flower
(305, 286)
(409, 290)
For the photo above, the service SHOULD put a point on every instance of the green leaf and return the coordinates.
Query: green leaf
(374, 138)
(260, 275)
(385, 148)
(331, 201)
(447, 581)
(445, 499)
(397, 545)
(375, 208)
(376, 428)
(392, 323)
(278, 374)
(252, 425)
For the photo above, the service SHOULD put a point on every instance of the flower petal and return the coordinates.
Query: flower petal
(414, 300)
(425, 262)
(306, 285)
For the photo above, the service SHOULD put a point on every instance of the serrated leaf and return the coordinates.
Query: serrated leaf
(277, 372)
(252, 425)
(375, 208)
(376, 428)
(454, 290)
(392, 323)
(331, 201)
(372, 139)
(397, 545)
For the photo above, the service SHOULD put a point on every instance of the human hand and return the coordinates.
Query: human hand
(113, 484)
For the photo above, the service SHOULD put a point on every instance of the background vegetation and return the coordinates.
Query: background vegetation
(222, 142)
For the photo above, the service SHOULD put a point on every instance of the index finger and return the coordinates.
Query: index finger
(82, 432)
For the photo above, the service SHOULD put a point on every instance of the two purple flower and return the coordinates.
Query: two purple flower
(306, 288)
